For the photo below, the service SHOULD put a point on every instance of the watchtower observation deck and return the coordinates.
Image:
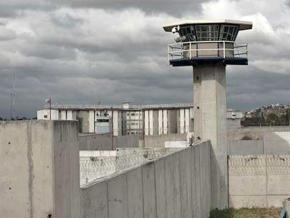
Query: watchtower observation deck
(207, 41)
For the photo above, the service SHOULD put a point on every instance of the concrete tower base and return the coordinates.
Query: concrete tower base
(209, 86)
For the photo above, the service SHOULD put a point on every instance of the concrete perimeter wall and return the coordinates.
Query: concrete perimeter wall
(175, 186)
(259, 180)
(39, 169)
(159, 141)
(104, 142)
(259, 140)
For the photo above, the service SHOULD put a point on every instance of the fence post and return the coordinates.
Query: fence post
(190, 50)
(168, 51)
(224, 48)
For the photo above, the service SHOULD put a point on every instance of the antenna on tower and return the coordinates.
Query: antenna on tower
(12, 98)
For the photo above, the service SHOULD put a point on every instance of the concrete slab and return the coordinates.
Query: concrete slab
(246, 147)
(205, 179)
(149, 191)
(247, 185)
(172, 186)
(118, 197)
(66, 169)
(15, 165)
(185, 184)
(278, 185)
(161, 200)
(194, 188)
(95, 201)
(197, 183)
(135, 193)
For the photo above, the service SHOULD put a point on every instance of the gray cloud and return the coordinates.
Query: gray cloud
(172, 7)
(254, 88)
(85, 52)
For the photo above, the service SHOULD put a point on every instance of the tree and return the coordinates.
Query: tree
(272, 119)
(288, 116)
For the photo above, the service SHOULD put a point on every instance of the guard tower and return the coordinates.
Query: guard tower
(208, 46)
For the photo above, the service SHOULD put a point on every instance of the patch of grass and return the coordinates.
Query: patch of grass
(246, 213)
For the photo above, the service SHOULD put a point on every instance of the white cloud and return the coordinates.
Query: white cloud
(6, 33)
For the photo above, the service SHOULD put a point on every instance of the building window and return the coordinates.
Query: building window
(207, 32)
(45, 116)
(187, 32)
(228, 32)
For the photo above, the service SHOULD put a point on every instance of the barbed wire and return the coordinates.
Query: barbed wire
(95, 167)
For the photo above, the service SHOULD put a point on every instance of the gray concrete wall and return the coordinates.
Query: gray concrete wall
(83, 117)
(259, 180)
(159, 141)
(233, 124)
(39, 169)
(104, 142)
(259, 140)
(254, 132)
(176, 185)
(245, 147)
(277, 142)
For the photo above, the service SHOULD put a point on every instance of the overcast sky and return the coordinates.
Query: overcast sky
(111, 51)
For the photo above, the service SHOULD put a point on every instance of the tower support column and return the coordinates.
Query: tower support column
(209, 85)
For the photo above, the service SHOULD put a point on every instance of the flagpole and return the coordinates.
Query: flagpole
(112, 126)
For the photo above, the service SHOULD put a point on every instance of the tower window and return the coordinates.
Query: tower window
(207, 32)
(228, 32)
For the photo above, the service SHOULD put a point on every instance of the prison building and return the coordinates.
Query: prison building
(125, 119)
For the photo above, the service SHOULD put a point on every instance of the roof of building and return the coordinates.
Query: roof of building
(244, 25)
(118, 107)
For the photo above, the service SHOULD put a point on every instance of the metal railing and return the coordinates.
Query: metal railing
(206, 49)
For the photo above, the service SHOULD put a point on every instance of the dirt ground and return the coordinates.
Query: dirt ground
(246, 213)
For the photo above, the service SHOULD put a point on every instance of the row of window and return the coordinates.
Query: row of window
(213, 32)
(133, 113)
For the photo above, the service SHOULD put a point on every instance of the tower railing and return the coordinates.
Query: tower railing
(206, 49)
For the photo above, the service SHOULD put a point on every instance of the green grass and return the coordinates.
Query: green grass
(246, 213)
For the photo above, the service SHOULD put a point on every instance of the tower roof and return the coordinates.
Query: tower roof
(243, 25)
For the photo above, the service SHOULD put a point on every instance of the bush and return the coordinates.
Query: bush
(246, 213)
(247, 137)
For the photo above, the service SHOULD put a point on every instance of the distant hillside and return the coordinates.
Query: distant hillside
(271, 115)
